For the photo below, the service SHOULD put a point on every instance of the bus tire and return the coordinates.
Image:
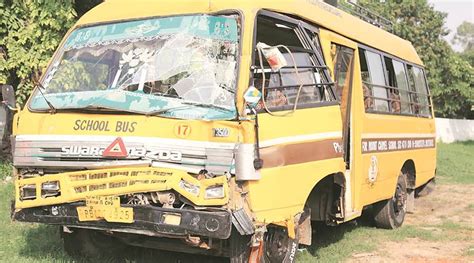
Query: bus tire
(90, 244)
(390, 214)
(278, 246)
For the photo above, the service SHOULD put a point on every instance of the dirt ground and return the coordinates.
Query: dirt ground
(447, 213)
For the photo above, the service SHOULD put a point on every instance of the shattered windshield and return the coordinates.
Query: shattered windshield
(182, 66)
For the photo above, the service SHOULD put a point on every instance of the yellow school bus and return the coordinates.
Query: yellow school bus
(222, 127)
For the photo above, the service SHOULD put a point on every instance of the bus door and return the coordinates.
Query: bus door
(339, 54)
(294, 140)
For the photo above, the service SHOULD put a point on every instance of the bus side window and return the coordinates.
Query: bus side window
(420, 95)
(398, 86)
(373, 81)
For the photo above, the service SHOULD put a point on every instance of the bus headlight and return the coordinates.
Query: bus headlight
(190, 188)
(28, 192)
(49, 189)
(214, 192)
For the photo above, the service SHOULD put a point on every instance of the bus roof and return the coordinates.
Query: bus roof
(315, 11)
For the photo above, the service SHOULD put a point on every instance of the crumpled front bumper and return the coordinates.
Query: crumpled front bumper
(77, 186)
(148, 220)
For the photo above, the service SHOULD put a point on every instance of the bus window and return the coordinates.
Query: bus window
(281, 87)
(417, 80)
(397, 80)
(373, 78)
(342, 60)
(402, 84)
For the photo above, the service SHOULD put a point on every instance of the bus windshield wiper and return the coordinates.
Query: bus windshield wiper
(94, 108)
(40, 87)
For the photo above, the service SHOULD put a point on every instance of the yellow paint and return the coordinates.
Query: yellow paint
(282, 191)
(77, 186)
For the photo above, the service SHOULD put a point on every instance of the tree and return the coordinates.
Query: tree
(465, 37)
(30, 32)
(449, 75)
(34, 29)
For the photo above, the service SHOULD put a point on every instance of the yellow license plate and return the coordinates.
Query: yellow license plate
(105, 207)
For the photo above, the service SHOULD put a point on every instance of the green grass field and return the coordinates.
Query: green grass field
(455, 163)
(21, 242)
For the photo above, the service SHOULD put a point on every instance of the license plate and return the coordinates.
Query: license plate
(105, 207)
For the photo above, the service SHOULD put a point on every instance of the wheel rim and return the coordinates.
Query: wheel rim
(276, 243)
(399, 200)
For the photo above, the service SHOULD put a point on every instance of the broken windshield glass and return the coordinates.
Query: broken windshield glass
(148, 65)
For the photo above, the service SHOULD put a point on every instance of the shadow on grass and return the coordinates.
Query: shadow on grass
(144, 255)
(466, 143)
(324, 235)
(45, 243)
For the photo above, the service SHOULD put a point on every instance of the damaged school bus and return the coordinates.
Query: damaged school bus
(221, 127)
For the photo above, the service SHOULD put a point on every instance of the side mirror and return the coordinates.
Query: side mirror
(8, 95)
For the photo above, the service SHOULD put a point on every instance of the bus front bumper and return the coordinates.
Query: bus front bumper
(147, 221)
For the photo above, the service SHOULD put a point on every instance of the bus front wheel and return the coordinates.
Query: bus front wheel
(85, 243)
(390, 214)
(277, 247)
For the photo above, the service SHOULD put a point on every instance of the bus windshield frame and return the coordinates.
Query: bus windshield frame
(183, 67)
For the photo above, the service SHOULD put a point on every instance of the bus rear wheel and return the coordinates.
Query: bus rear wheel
(390, 214)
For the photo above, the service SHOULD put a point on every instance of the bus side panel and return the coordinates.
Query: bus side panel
(282, 192)
(390, 141)
(297, 150)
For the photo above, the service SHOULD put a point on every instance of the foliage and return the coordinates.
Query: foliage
(450, 76)
(30, 32)
(465, 35)
(455, 97)
(76, 76)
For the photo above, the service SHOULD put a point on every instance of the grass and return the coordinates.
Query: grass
(336, 244)
(470, 251)
(22, 242)
(455, 162)
(5, 170)
(470, 207)
(26, 242)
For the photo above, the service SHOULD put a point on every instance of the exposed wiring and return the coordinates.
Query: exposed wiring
(259, 49)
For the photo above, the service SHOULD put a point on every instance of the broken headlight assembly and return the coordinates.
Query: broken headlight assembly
(190, 188)
(48, 189)
(214, 192)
